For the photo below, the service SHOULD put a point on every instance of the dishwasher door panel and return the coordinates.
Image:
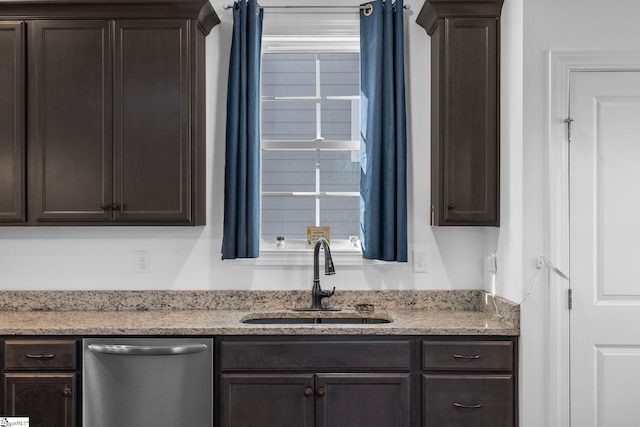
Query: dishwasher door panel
(148, 382)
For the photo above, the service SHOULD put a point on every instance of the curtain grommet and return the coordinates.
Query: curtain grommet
(368, 9)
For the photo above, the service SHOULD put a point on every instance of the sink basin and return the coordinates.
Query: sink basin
(284, 319)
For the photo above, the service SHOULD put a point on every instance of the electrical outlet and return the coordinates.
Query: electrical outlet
(419, 261)
(143, 261)
(491, 262)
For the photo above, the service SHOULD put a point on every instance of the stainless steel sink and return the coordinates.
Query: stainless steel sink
(283, 319)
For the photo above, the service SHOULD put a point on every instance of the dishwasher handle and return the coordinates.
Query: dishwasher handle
(148, 350)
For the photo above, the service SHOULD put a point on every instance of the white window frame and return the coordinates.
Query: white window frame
(295, 251)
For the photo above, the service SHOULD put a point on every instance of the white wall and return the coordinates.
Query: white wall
(582, 25)
(189, 258)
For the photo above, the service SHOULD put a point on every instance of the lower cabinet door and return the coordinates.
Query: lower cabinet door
(362, 400)
(267, 400)
(468, 400)
(47, 399)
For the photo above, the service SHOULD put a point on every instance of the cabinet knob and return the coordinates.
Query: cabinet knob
(115, 207)
(308, 392)
(451, 206)
(105, 205)
(321, 392)
(66, 392)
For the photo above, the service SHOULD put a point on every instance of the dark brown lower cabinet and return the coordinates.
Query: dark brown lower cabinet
(367, 381)
(362, 400)
(307, 400)
(48, 399)
(468, 400)
(301, 381)
(268, 400)
(469, 381)
(315, 381)
(40, 380)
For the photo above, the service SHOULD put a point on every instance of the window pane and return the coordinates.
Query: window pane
(288, 171)
(287, 216)
(340, 120)
(288, 74)
(288, 120)
(340, 74)
(342, 214)
(339, 171)
(294, 75)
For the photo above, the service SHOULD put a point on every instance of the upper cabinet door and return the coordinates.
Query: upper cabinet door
(12, 135)
(469, 149)
(152, 120)
(465, 106)
(70, 120)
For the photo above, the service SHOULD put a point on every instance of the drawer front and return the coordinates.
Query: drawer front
(467, 355)
(307, 355)
(468, 400)
(40, 355)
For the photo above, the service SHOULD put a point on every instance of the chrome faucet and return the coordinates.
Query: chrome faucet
(316, 292)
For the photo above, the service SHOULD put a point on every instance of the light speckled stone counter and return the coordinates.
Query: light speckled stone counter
(221, 312)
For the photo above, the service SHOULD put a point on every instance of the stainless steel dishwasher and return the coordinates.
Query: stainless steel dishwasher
(147, 382)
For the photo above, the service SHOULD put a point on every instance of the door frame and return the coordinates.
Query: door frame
(561, 66)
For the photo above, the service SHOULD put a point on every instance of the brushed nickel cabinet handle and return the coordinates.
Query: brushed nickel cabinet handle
(41, 356)
(472, 357)
(463, 406)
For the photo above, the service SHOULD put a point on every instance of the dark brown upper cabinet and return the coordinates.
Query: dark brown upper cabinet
(12, 122)
(70, 123)
(465, 138)
(116, 112)
(152, 125)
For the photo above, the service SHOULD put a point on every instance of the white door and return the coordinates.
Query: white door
(605, 249)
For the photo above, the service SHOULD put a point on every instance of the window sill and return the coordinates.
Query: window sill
(302, 257)
(297, 254)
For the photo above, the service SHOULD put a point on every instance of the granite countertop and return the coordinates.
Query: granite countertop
(220, 313)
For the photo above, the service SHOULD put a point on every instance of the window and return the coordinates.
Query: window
(310, 110)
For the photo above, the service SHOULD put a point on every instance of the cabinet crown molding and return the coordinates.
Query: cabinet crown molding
(200, 10)
(432, 10)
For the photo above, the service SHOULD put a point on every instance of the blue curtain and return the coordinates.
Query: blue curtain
(241, 235)
(383, 155)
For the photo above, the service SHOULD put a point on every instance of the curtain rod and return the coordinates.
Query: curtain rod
(366, 7)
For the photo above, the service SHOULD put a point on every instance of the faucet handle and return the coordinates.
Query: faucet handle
(328, 294)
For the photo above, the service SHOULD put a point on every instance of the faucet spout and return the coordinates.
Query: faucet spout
(328, 261)
(316, 292)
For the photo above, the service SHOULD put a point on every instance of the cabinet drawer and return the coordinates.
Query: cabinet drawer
(296, 355)
(468, 400)
(40, 355)
(467, 355)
